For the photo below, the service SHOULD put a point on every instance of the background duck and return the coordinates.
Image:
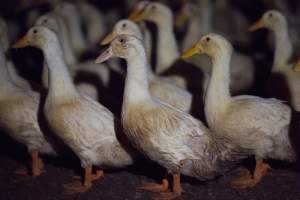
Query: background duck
(19, 109)
(258, 124)
(274, 21)
(166, 135)
(84, 125)
(160, 87)
(205, 17)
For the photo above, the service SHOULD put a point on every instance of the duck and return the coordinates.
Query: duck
(258, 124)
(4, 42)
(71, 16)
(160, 87)
(167, 49)
(164, 134)
(90, 130)
(93, 20)
(275, 21)
(19, 109)
(202, 20)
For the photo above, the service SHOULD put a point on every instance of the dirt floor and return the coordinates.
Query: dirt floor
(282, 183)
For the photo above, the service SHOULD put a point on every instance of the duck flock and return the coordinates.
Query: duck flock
(170, 81)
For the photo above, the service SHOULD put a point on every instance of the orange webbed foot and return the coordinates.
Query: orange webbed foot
(156, 187)
(75, 187)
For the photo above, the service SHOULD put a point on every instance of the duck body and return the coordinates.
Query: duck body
(260, 125)
(161, 132)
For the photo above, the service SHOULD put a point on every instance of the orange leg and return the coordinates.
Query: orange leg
(155, 187)
(248, 180)
(176, 190)
(79, 187)
(37, 164)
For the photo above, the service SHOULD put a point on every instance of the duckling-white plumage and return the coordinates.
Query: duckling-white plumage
(166, 135)
(160, 87)
(255, 123)
(276, 22)
(19, 109)
(86, 126)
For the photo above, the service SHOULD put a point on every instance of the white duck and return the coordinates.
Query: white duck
(276, 22)
(70, 13)
(166, 135)
(160, 87)
(258, 124)
(202, 21)
(19, 117)
(86, 126)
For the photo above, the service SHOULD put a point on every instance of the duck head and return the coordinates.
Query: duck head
(272, 20)
(153, 12)
(123, 27)
(211, 44)
(49, 21)
(123, 46)
(38, 36)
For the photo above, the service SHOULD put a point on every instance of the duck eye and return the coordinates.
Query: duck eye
(121, 40)
(45, 20)
(270, 15)
(207, 39)
(35, 31)
(124, 25)
(153, 7)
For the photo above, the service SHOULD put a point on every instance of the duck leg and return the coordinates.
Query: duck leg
(246, 181)
(176, 190)
(37, 164)
(79, 187)
(156, 187)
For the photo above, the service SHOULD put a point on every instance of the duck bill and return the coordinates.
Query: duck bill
(191, 52)
(297, 66)
(107, 54)
(108, 38)
(133, 15)
(137, 16)
(21, 43)
(257, 25)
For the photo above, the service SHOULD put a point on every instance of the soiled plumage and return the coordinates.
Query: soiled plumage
(168, 136)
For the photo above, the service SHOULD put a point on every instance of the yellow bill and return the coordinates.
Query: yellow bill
(257, 25)
(134, 13)
(190, 52)
(297, 66)
(23, 42)
(109, 38)
(137, 15)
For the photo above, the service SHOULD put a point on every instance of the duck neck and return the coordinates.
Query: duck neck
(218, 95)
(61, 86)
(77, 37)
(167, 46)
(199, 24)
(283, 49)
(136, 83)
(66, 45)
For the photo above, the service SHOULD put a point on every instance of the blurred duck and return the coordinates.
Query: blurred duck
(202, 21)
(166, 135)
(160, 87)
(167, 49)
(93, 20)
(19, 117)
(84, 125)
(4, 42)
(276, 22)
(71, 15)
(258, 124)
